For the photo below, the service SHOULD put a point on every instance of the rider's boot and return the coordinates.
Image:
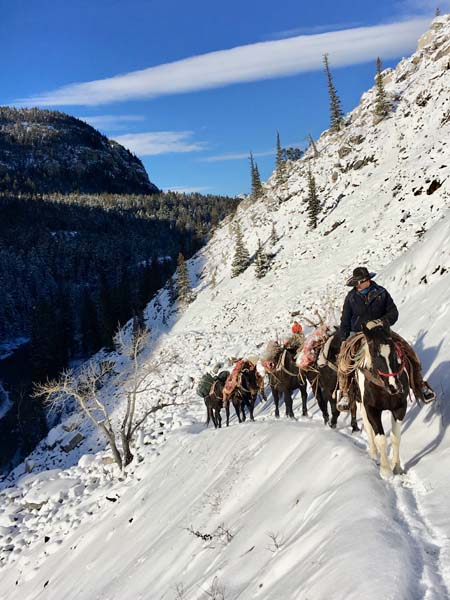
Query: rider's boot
(427, 393)
(343, 402)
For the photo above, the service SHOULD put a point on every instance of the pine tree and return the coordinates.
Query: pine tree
(336, 112)
(257, 188)
(381, 103)
(261, 261)
(184, 291)
(313, 200)
(241, 258)
(172, 291)
(313, 145)
(273, 235)
(279, 162)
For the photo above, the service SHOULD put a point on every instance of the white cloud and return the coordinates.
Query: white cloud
(236, 156)
(112, 122)
(253, 62)
(313, 30)
(152, 143)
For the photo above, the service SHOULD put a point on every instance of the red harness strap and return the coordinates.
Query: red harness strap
(401, 356)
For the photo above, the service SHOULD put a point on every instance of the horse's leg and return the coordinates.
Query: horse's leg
(354, 422)
(217, 416)
(328, 379)
(227, 412)
(276, 399)
(213, 416)
(243, 403)
(304, 399)
(208, 414)
(288, 403)
(321, 401)
(374, 416)
(396, 434)
(251, 406)
(334, 413)
(373, 453)
(237, 408)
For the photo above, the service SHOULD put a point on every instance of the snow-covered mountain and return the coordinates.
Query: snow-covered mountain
(49, 151)
(271, 509)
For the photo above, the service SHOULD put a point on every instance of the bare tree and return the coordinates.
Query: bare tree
(84, 389)
(313, 145)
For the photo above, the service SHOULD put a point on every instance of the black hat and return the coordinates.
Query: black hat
(360, 274)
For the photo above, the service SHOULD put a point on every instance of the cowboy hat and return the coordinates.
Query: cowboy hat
(360, 274)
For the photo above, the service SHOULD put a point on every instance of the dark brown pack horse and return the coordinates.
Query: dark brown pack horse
(384, 385)
(249, 384)
(284, 379)
(323, 380)
(214, 404)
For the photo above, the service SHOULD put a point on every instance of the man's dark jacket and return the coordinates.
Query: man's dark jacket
(361, 308)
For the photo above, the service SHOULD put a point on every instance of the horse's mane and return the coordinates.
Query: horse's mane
(335, 345)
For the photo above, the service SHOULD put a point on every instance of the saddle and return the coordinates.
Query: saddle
(313, 343)
(233, 380)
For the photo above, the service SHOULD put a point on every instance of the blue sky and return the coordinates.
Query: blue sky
(192, 86)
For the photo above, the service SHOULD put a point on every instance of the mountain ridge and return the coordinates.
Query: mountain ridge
(43, 151)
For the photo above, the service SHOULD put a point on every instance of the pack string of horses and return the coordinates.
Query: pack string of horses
(362, 363)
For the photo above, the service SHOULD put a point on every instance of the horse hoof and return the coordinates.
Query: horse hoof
(397, 470)
(355, 428)
(305, 413)
(333, 425)
(386, 473)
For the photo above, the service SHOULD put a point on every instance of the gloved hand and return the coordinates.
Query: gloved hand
(375, 323)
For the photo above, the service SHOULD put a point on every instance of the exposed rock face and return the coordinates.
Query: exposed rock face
(48, 151)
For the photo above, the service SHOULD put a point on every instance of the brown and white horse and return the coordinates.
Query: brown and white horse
(384, 385)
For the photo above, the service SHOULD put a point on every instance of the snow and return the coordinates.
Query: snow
(275, 508)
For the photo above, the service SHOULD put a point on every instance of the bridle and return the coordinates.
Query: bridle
(241, 385)
(401, 357)
(376, 377)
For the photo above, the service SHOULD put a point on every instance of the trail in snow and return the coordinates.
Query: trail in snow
(430, 550)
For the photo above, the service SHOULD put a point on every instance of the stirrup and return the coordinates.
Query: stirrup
(343, 404)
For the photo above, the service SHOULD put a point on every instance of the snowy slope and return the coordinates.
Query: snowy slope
(341, 531)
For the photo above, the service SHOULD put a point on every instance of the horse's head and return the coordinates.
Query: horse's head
(384, 356)
(249, 379)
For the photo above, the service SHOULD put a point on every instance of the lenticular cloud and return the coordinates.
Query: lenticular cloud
(253, 62)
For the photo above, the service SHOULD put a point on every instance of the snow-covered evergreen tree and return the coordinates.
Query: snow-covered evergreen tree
(257, 188)
(381, 104)
(261, 261)
(184, 290)
(273, 235)
(241, 258)
(336, 112)
(280, 163)
(313, 200)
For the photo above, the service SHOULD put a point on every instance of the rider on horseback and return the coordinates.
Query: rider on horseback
(366, 302)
